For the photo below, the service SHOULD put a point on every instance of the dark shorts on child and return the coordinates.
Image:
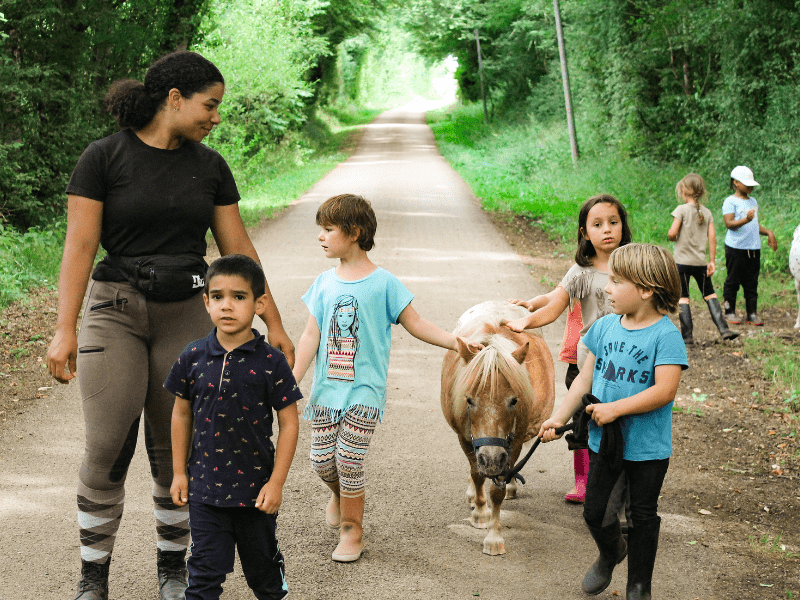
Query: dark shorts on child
(700, 275)
(216, 533)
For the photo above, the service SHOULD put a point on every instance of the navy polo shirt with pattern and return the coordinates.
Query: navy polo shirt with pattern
(232, 396)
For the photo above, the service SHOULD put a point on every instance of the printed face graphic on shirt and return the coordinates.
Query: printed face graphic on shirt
(620, 362)
(343, 339)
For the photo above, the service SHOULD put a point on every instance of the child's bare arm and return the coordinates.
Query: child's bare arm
(674, 230)
(771, 240)
(662, 392)
(712, 248)
(557, 302)
(424, 330)
(306, 348)
(580, 386)
(533, 304)
(182, 420)
(271, 495)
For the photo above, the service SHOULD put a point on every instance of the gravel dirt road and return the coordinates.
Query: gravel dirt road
(419, 544)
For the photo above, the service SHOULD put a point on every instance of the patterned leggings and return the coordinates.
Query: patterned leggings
(339, 445)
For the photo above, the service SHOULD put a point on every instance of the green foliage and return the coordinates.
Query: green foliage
(527, 168)
(516, 36)
(264, 49)
(708, 84)
(29, 259)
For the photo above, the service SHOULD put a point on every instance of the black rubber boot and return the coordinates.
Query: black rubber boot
(94, 580)
(685, 318)
(612, 552)
(719, 320)
(172, 576)
(643, 545)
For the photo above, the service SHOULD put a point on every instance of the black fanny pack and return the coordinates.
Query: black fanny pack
(163, 277)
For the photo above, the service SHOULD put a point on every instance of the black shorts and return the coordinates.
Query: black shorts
(699, 273)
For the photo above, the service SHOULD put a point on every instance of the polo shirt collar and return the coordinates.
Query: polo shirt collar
(214, 348)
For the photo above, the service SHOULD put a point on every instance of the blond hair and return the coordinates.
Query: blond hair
(695, 187)
(650, 268)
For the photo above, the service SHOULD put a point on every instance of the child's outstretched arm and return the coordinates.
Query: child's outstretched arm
(182, 421)
(674, 230)
(306, 348)
(662, 392)
(557, 302)
(424, 330)
(533, 304)
(271, 495)
(580, 386)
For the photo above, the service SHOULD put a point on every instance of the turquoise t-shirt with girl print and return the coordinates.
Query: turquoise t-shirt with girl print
(355, 320)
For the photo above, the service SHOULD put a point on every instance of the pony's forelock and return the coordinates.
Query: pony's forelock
(486, 369)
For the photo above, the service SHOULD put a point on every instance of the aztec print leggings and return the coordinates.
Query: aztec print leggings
(339, 445)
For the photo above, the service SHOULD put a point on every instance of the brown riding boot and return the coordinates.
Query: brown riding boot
(351, 541)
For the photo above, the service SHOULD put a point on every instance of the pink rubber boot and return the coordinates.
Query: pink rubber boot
(581, 464)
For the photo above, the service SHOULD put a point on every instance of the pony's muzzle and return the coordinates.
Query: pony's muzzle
(491, 460)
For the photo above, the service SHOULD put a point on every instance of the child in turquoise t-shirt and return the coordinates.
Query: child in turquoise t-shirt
(355, 305)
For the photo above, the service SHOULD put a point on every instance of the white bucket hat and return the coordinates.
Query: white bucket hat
(744, 175)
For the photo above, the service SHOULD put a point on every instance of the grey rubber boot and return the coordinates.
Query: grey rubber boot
(94, 581)
(719, 320)
(613, 550)
(752, 314)
(172, 575)
(685, 317)
(643, 545)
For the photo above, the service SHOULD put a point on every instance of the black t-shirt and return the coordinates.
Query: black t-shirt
(155, 201)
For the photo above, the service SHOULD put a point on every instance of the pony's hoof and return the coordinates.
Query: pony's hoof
(511, 493)
(478, 520)
(494, 547)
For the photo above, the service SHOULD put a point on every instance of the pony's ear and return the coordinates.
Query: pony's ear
(464, 351)
(520, 353)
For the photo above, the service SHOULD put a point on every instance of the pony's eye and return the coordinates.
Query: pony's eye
(471, 401)
(513, 401)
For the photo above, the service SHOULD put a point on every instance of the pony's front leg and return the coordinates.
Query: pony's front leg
(476, 494)
(493, 543)
(511, 489)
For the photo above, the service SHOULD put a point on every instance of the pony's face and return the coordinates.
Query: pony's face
(492, 410)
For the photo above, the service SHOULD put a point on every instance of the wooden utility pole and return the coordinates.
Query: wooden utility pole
(480, 72)
(573, 141)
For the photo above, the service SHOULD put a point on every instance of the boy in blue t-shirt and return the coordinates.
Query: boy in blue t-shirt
(633, 368)
(227, 386)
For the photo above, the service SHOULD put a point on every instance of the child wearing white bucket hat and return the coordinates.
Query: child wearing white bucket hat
(743, 246)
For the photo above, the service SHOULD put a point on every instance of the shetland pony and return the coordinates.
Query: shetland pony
(495, 400)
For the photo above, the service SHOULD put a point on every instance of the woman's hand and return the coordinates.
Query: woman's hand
(278, 338)
(710, 268)
(62, 355)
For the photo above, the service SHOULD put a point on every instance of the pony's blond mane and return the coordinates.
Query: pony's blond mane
(485, 370)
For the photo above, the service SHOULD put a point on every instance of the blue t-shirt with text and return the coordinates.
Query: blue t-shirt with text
(625, 362)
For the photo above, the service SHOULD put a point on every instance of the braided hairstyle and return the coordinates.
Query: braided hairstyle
(133, 104)
(693, 186)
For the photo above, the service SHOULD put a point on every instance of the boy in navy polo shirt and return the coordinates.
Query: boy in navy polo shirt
(226, 386)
